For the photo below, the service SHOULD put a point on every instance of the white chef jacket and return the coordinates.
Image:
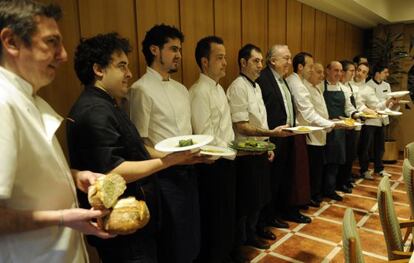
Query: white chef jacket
(159, 108)
(369, 99)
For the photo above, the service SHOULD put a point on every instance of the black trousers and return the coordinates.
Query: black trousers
(345, 171)
(179, 240)
(217, 189)
(371, 135)
(316, 155)
(246, 227)
(143, 250)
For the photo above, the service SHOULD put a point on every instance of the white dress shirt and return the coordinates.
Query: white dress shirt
(311, 108)
(349, 108)
(160, 109)
(34, 175)
(287, 99)
(353, 90)
(210, 111)
(246, 104)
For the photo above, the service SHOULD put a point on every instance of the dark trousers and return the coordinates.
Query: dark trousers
(330, 177)
(179, 240)
(143, 250)
(371, 135)
(246, 227)
(316, 156)
(345, 171)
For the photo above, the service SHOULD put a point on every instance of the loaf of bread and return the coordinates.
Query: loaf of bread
(127, 216)
(105, 192)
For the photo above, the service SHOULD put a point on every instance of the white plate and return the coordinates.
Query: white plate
(297, 131)
(390, 112)
(217, 151)
(404, 101)
(356, 124)
(398, 94)
(171, 144)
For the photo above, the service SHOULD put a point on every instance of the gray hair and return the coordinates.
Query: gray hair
(19, 16)
(274, 51)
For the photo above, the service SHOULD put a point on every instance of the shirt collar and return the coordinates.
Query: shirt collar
(155, 74)
(18, 82)
(102, 93)
(248, 79)
(208, 80)
(378, 83)
(276, 75)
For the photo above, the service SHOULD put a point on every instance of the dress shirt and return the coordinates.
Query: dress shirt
(246, 104)
(349, 108)
(210, 111)
(160, 108)
(353, 90)
(311, 108)
(287, 99)
(34, 175)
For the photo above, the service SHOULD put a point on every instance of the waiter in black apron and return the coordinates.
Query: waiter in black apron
(339, 105)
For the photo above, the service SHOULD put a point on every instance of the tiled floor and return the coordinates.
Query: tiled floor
(320, 241)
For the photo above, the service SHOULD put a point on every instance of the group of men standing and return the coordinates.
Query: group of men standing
(201, 211)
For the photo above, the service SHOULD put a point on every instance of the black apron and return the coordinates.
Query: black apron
(335, 140)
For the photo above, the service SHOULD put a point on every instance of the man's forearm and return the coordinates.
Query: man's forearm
(15, 221)
(247, 129)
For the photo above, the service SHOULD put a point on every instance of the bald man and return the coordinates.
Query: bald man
(339, 105)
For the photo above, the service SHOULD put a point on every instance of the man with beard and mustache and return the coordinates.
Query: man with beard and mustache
(160, 108)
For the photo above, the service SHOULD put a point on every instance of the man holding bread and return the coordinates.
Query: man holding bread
(38, 206)
(102, 138)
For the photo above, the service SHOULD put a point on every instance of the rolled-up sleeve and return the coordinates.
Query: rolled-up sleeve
(9, 142)
(140, 109)
(239, 104)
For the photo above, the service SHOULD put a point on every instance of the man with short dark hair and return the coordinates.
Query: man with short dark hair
(210, 114)
(160, 108)
(38, 206)
(102, 138)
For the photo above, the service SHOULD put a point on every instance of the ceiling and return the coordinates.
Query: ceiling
(367, 13)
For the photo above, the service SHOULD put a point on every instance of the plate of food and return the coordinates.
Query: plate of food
(349, 122)
(369, 116)
(404, 101)
(217, 151)
(183, 143)
(397, 94)
(390, 112)
(252, 145)
(303, 129)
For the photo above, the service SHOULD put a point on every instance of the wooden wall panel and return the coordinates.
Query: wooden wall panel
(277, 22)
(150, 13)
(348, 42)
(340, 39)
(308, 29)
(196, 22)
(320, 37)
(330, 38)
(103, 16)
(227, 15)
(294, 26)
(254, 23)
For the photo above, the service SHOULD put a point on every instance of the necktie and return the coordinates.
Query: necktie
(288, 99)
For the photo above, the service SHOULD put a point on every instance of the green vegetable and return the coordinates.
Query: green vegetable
(184, 143)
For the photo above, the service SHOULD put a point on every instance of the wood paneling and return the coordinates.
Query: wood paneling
(277, 22)
(330, 39)
(320, 37)
(254, 23)
(153, 12)
(308, 29)
(294, 26)
(196, 22)
(340, 39)
(261, 22)
(227, 15)
(103, 16)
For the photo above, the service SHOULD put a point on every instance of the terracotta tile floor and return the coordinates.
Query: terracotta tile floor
(320, 241)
